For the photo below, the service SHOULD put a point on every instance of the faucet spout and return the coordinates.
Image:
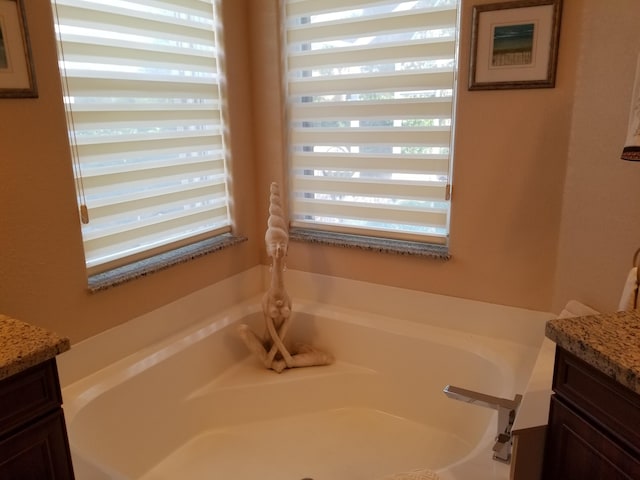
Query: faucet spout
(469, 396)
(506, 408)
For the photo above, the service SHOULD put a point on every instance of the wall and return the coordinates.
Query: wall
(510, 158)
(507, 233)
(42, 273)
(600, 228)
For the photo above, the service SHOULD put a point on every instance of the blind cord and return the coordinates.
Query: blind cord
(73, 144)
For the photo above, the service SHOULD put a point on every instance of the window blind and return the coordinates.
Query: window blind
(142, 92)
(370, 102)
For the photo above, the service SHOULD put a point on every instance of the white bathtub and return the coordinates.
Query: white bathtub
(195, 405)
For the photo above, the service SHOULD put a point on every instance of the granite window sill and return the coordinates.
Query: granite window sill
(141, 268)
(382, 245)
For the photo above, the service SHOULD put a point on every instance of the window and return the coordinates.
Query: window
(144, 109)
(370, 101)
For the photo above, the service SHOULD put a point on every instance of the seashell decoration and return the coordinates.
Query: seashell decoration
(276, 303)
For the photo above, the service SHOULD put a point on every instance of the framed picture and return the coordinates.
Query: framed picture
(17, 77)
(515, 44)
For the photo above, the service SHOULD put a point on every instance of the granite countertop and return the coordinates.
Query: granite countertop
(609, 342)
(23, 346)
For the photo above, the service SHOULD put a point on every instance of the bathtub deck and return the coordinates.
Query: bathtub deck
(340, 444)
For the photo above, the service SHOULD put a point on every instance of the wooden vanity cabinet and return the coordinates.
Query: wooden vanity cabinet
(33, 436)
(594, 425)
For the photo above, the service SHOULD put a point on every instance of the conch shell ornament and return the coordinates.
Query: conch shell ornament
(276, 303)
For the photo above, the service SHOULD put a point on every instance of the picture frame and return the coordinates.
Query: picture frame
(515, 44)
(17, 76)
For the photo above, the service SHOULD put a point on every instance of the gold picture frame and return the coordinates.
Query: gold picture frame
(515, 44)
(17, 77)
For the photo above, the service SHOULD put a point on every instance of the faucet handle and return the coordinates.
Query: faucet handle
(501, 439)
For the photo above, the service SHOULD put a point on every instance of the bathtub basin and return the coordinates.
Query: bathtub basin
(196, 405)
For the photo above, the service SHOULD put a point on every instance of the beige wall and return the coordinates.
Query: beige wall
(600, 229)
(512, 149)
(42, 274)
(510, 158)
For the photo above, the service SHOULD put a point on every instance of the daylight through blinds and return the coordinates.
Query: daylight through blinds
(370, 101)
(141, 81)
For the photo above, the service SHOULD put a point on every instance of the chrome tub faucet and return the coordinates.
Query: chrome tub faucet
(506, 408)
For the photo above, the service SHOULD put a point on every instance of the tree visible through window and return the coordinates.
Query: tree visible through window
(370, 93)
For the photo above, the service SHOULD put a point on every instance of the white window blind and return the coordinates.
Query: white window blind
(142, 93)
(370, 93)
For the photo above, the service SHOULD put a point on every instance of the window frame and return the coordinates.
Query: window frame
(320, 234)
(194, 245)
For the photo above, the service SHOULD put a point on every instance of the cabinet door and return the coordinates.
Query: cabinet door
(575, 450)
(28, 395)
(38, 452)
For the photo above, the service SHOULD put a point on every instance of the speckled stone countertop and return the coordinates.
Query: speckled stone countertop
(23, 346)
(608, 342)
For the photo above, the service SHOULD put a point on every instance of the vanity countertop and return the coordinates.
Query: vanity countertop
(23, 346)
(609, 342)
